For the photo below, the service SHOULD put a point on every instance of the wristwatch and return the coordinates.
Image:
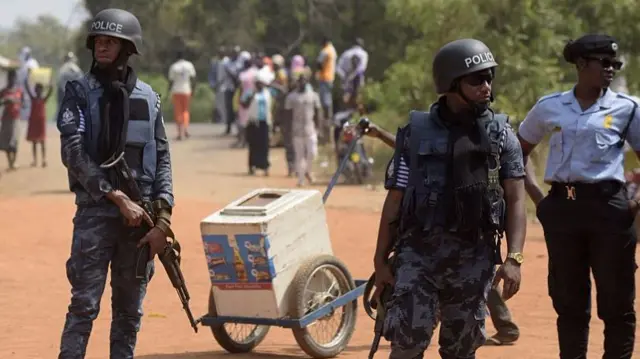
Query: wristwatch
(516, 256)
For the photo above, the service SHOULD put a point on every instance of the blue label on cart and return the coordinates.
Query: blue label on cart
(239, 261)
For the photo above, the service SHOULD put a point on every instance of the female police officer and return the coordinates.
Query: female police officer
(463, 165)
(105, 111)
(586, 218)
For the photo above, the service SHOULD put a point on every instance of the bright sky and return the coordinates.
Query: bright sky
(68, 11)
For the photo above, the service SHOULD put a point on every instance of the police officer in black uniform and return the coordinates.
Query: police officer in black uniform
(456, 173)
(108, 118)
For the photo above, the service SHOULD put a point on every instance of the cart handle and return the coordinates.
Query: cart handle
(361, 128)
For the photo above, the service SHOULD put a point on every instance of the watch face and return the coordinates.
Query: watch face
(518, 257)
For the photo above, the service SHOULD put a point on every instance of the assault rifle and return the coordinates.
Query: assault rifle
(170, 257)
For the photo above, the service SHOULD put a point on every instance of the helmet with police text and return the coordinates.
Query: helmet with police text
(459, 58)
(116, 23)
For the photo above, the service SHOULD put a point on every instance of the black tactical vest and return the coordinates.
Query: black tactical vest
(423, 204)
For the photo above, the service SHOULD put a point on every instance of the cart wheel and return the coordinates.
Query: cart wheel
(319, 281)
(236, 338)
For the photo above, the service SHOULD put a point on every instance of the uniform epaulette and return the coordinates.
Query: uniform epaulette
(550, 96)
(633, 99)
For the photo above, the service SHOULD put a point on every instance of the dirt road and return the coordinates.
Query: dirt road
(36, 211)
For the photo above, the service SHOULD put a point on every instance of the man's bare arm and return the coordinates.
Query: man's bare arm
(386, 137)
(388, 226)
(516, 226)
(531, 183)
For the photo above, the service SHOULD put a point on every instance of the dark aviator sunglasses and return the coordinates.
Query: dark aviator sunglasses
(607, 62)
(478, 79)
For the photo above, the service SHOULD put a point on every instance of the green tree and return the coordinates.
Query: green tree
(46, 36)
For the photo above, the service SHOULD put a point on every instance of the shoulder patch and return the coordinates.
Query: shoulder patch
(68, 122)
(67, 117)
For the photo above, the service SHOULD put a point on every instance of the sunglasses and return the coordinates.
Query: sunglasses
(478, 79)
(607, 62)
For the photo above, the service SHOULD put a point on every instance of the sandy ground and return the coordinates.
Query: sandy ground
(36, 211)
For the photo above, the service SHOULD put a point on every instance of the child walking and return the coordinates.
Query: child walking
(37, 129)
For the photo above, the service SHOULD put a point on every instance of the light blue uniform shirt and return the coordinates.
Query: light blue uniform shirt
(584, 144)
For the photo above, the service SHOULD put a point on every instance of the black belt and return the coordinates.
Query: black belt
(582, 190)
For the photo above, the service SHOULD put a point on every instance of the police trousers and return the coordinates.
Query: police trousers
(446, 272)
(591, 234)
(98, 242)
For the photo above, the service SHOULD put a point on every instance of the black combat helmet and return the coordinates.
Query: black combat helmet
(116, 23)
(459, 58)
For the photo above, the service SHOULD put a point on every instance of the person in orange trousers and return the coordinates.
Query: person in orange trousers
(181, 84)
(181, 114)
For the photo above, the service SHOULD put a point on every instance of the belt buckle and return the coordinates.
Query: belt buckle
(571, 192)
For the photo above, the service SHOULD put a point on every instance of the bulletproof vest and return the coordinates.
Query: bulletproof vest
(140, 150)
(429, 158)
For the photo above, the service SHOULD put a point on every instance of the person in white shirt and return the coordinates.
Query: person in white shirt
(27, 63)
(305, 105)
(344, 62)
(181, 84)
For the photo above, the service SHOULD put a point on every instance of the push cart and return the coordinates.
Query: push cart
(320, 296)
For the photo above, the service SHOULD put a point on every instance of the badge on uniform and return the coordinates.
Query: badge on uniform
(67, 117)
(67, 123)
(390, 169)
(608, 121)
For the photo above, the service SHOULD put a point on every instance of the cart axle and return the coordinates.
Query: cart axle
(303, 322)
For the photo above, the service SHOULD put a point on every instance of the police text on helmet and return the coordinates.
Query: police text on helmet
(106, 26)
(478, 59)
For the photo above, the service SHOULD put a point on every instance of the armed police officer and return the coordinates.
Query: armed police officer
(586, 216)
(507, 330)
(459, 172)
(108, 116)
